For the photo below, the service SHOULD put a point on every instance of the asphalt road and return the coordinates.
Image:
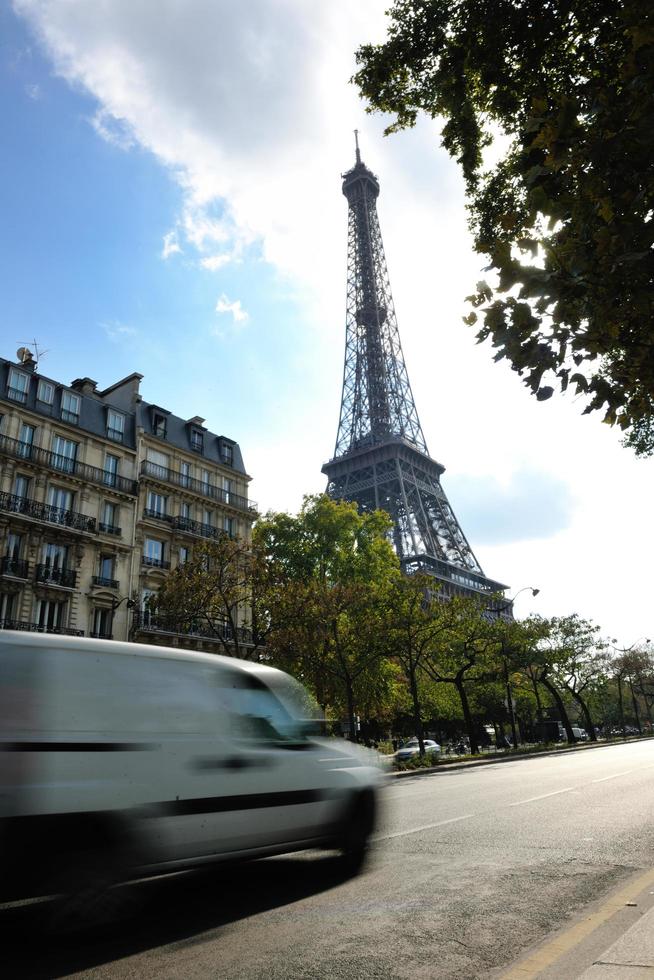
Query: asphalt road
(468, 868)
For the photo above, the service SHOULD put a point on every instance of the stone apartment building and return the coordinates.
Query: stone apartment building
(101, 493)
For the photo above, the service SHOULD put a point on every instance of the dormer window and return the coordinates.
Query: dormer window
(70, 407)
(197, 441)
(159, 425)
(45, 392)
(226, 454)
(115, 426)
(19, 385)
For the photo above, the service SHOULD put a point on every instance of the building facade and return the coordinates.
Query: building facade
(101, 494)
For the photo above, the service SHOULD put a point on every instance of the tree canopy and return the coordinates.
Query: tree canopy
(566, 215)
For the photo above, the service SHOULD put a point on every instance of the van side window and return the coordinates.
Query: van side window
(254, 712)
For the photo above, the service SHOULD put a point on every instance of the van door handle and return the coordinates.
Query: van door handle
(232, 763)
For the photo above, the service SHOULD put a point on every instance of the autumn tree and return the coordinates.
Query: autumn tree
(564, 218)
(580, 661)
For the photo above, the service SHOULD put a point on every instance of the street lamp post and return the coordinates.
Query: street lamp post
(507, 682)
(115, 603)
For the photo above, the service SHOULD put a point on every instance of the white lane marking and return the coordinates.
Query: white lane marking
(614, 776)
(427, 826)
(532, 799)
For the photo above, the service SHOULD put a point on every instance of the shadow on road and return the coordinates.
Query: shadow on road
(163, 910)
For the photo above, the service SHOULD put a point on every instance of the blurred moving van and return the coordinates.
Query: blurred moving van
(119, 760)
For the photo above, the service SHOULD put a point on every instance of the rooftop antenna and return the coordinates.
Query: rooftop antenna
(25, 354)
(356, 142)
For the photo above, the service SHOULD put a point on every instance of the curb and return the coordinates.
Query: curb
(474, 763)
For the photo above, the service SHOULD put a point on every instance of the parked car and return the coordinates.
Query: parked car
(119, 760)
(580, 733)
(412, 749)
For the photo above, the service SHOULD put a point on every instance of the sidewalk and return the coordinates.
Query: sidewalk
(632, 955)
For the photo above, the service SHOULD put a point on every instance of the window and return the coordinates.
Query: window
(55, 556)
(185, 511)
(70, 407)
(51, 615)
(14, 545)
(153, 551)
(184, 555)
(185, 474)
(7, 604)
(106, 566)
(207, 517)
(21, 486)
(226, 454)
(115, 426)
(228, 488)
(102, 623)
(60, 498)
(228, 524)
(110, 469)
(157, 504)
(64, 453)
(26, 440)
(206, 481)
(45, 392)
(159, 459)
(109, 517)
(19, 385)
(197, 441)
(159, 425)
(146, 597)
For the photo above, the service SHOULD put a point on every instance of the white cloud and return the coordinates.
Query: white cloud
(170, 245)
(232, 308)
(33, 91)
(248, 108)
(118, 331)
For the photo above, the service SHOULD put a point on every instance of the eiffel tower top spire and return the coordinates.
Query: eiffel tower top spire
(381, 458)
(377, 402)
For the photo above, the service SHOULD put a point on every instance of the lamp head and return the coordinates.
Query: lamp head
(535, 592)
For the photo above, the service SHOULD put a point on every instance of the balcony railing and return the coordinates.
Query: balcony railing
(17, 395)
(107, 583)
(51, 575)
(154, 562)
(158, 515)
(63, 464)
(46, 512)
(16, 567)
(165, 475)
(110, 529)
(26, 627)
(196, 528)
(151, 623)
(116, 435)
(68, 416)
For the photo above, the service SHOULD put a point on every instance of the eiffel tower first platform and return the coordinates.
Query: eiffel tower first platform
(381, 458)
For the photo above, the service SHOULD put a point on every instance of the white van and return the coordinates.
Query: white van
(119, 760)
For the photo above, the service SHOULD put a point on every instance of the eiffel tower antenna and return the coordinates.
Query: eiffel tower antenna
(381, 458)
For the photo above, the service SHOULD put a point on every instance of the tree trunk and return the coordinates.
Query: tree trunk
(648, 706)
(635, 704)
(590, 728)
(558, 700)
(413, 684)
(539, 705)
(352, 722)
(472, 737)
(621, 703)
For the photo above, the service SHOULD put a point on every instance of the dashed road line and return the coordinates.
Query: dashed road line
(427, 826)
(544, 796)
(614, 776)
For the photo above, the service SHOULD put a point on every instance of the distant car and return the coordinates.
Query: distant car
(412, 749)
(580, 734)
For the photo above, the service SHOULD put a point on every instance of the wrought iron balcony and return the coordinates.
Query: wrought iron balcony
(158, 515)
(116, 435)
(177, 479)
(67, 416)
(151, 623)
(26, 627)
(46, 512)
(63, 464)
(50, 575)
(16, 567)
(16, 395)
(196, 528)
(107, 583)
(154, 562)
(110, 529)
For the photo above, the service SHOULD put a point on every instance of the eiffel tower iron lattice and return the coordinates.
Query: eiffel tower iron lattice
(381, 458)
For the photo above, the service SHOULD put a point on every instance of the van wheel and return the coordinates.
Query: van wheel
(357, 827)
(87, 893)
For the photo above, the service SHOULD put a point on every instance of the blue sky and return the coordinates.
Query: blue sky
(171, 201)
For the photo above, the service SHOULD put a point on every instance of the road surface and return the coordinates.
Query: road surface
(469, 867)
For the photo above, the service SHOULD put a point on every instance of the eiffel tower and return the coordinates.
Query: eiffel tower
(381, 458)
